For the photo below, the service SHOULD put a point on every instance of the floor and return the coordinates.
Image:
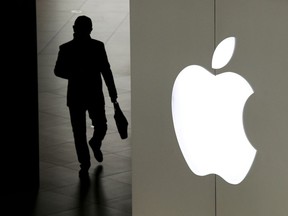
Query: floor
(109, 190)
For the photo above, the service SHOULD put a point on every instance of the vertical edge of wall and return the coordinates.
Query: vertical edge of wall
(19, 107)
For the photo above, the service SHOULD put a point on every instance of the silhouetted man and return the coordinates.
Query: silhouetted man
(82, 61)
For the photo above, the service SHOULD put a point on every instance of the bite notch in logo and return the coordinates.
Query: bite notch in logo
(207, 113)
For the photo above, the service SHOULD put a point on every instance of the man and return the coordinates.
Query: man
(82, 61)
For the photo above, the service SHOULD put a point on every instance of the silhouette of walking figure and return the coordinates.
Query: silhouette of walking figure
(82, 61)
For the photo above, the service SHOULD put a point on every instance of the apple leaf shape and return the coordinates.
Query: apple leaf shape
(223, 53)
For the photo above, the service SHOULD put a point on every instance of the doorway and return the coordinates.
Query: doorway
(110, 188)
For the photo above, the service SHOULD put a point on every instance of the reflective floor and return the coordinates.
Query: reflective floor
(109, 190)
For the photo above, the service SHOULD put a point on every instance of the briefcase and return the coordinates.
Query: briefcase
(121, 121)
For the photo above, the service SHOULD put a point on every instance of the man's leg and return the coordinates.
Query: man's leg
(99, 121)
(78, 122)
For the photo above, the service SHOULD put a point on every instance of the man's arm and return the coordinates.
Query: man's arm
(60, 69)
(108, 76)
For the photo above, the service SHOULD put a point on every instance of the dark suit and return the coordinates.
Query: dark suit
(82, 61)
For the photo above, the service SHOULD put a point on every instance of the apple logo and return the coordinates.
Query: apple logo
(207, 112)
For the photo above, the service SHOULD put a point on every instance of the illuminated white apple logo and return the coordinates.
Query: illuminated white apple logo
(207, 114)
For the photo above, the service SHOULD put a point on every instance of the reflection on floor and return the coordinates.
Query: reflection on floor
(109, 190)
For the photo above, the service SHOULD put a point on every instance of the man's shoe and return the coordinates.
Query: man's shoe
(97, 152)
(83, 174)
(98, 155)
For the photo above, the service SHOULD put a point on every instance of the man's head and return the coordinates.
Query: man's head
(82, 25)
